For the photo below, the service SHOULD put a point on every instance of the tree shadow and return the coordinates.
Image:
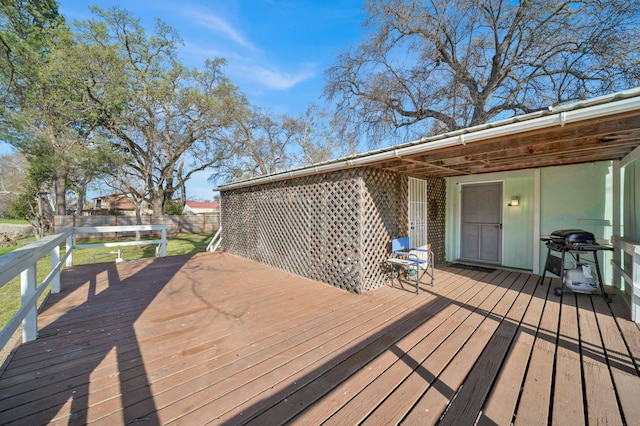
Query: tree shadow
(99, 322)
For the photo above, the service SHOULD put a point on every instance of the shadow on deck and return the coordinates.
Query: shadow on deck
(214, 338)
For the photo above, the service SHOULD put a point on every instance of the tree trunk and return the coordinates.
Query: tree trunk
(138, 207)
(82, 193)
(157, 203)
(61, 189)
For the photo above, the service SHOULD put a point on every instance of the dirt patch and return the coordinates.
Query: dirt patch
(16, 231)
(7, 241)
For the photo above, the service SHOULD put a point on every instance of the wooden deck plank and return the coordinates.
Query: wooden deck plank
(600, 397)
(95, 327)
(225, 373)
(409, 363)
(306, 395)
(209, 386)
(283, 368)
(180, 347)
(623, 371)
(449, 337)
(468, 402)
(341, 394)
(503, 398)
(353, 298)
(535, 401)
(432, 403)
(278, 407)
(568, 403)
(218, 339)
(628, 329)
(158, 366)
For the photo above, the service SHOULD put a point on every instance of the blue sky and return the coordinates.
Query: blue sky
(276, 50)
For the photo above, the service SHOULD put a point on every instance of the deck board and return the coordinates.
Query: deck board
(446, 384)
(216, 339)
(599, 390)
(568, 404)
(442, 310)
(535, 401)
(503, 397)
(448, 336)
(376, 357)
(624, 374)
(470, 399)
(408, 363)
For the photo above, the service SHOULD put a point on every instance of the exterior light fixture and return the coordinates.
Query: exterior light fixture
(515, 201)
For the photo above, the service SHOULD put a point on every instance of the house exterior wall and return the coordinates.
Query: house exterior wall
(335, 228)
(574, 196)
(517, 231)
(202, 210)
(631, 201)
(630, 183)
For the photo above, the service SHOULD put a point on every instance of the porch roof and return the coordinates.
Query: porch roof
(599, 129)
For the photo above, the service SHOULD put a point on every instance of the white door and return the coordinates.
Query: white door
(418, 213)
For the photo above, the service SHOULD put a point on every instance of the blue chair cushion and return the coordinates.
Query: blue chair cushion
(400, 245)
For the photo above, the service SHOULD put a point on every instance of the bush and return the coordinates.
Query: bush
(173, 208)
(22, 207)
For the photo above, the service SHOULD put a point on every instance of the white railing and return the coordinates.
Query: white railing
(632, 248)
(215, 241)
(161, 249)
(23, 262)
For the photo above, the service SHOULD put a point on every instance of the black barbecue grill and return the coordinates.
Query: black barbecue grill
(574, 242)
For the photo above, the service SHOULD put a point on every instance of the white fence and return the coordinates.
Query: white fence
(631, 274)
(23, 262)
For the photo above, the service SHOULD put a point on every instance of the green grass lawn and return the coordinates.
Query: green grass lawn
(177, 245)
(15, 221)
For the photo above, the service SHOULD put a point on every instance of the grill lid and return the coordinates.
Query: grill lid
(573, 236)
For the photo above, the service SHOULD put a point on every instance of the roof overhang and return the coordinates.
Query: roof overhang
(604, 128)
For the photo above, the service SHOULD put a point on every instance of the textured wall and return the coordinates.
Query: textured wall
(335, 228)
(436, 212)
(384, 217)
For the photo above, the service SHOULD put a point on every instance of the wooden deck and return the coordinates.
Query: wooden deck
(213, 338)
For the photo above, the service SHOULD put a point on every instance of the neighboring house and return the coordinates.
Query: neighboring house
(201, 207)
(484, 194)
(119, 204)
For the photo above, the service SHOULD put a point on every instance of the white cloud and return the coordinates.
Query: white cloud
(247, 69)
(273, 78)
(199, 16)
(248, 65)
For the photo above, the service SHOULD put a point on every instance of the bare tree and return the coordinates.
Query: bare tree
(259, 144)
(13, 177)
(438, 65)
(317, 137)
(13, 172)
(263, 143)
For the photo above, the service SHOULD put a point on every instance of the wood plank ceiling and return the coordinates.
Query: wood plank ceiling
(609, 138)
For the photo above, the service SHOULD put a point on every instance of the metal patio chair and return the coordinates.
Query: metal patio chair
(410, 263)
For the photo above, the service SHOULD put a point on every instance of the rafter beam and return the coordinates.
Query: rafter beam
(436, 166)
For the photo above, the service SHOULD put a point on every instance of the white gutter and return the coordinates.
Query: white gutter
(558, 117)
